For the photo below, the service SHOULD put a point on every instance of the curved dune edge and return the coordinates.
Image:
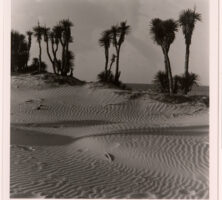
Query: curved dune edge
(106, 145)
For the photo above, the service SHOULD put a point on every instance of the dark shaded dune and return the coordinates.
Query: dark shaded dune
(57, 124)
(172, 131)
(34, 138)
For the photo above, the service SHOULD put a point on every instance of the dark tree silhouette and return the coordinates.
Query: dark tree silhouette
(29, 34)
(65, 40)
(38, 32)
(161, 81)
(33, 68)
(187, 21)
(105, 42)
(19, 52)
(186, 82)
(119, 33)
(163, 33)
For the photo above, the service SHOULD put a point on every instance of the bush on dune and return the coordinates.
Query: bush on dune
(105, 77)
(186, 83)
(180, 83)
(161, 82)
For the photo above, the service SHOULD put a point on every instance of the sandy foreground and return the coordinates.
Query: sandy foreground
(95, 142)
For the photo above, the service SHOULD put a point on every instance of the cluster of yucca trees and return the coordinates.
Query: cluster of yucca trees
(114, 36)
(163, 33)
(57, 37)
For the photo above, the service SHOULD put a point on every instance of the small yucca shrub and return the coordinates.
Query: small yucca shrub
(161, 81)
(186, 83)
(105, 77)
(34, 67)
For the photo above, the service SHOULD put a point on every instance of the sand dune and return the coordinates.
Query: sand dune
(90, 142)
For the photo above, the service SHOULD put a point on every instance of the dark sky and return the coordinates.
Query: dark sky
(140, 58)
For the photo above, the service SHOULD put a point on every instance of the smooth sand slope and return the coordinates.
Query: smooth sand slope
(94, 142)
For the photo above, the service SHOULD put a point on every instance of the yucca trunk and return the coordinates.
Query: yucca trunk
(117, 65)
(50, 58)
(110, 66)
(63, 61)
(165, 62)
(107, 61)
(186, 68)
(40, 55)
(169, 72)
(55, 62)
(66, 58)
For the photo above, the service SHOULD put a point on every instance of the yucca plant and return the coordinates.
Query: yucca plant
(187, 21)
(107, 77)
(161, 81)
(186, 82)
(118, 34)
(163, 34)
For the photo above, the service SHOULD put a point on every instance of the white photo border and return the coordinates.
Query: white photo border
(215, 55)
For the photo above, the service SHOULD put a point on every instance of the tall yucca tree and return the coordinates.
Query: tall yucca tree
(66, 25)
(38, 32)
(163, 33)
(29, 34)
(187, 21)
(105, 42)
(119, 33)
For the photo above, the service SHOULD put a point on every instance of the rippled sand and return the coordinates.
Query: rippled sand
(88, 142)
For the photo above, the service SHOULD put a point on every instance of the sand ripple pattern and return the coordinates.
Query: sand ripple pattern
(151, 156)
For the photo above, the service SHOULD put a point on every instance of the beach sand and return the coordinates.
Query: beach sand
(97, 142)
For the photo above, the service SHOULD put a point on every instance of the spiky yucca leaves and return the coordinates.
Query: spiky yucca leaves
(163, 33)
(124, 30)
(66, 25)
(57, 31)
(105, 77)
(186, 82)
(35, 65)
(187, 21)
(161, 81)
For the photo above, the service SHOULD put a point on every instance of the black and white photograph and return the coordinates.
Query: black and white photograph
(109, 99)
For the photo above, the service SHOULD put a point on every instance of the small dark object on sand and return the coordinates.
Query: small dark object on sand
(40, 106)
(109, 156)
